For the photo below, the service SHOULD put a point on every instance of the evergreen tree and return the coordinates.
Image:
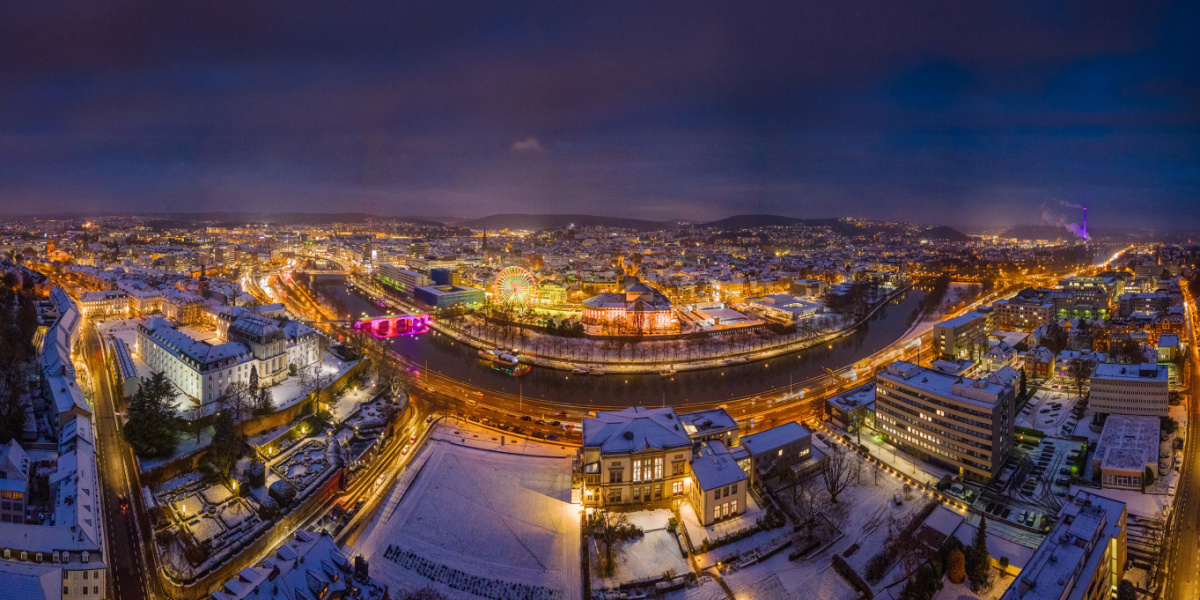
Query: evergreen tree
(153, 422)
(253, 387)
(227, 445)
(977, 559)
(263, 404)
(1024, 384)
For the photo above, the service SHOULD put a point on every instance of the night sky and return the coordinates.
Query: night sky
(956, 112)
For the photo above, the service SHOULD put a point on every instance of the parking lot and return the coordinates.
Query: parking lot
(1054, 412)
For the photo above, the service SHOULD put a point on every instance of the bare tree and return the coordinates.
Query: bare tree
(194, 416)
(838, 471)
(608, 528)
(810, 502)
(237, 399)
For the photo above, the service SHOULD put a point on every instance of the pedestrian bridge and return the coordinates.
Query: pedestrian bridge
(394, 326)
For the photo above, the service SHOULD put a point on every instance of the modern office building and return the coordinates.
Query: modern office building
(963, 424)
(1128, 446)
(446, 296)
(1083, 558)
(783, 307)
(402, 280)
(964, 336)
(1138, 390)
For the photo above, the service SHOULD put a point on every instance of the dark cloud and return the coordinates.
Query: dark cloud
(932, 111)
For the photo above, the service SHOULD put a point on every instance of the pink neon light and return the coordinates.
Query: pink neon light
(389, 327)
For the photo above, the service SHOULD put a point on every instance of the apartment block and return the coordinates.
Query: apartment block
(1083, 558)
(964, 336)
(960, 423)
(1025, 311)
(1138, 390)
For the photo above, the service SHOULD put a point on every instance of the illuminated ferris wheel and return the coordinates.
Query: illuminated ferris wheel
(515, 288)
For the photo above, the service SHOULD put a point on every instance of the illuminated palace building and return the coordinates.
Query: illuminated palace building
(636, 309)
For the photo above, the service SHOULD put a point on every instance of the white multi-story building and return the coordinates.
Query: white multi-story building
(1138, 390)
(109, 303)
(400, 279)
(204, 371)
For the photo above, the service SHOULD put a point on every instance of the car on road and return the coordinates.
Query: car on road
(526, 418)
(555, 424)
(124, 502)
(518, 431)
(412, 440)
(552, 437)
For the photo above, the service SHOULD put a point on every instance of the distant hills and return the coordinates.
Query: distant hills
(943, 232)
(753, 221)
(1038, 232)
(542, 221)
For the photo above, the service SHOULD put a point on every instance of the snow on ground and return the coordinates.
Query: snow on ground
(489, 522)
(862, 514)
(698, 533)
(187, 445)
(896, 457)
(464, 433)
(289, 391)
(962, 591)
(1040, 413)
(644, 558)
(349, 402)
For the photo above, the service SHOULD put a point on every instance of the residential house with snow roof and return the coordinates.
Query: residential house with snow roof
(14, 482)
(308, 566)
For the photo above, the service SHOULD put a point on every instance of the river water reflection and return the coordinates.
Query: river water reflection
(459, 361)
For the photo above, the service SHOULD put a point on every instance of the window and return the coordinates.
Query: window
(85, 575)
(733, 507)
(677, 488)
(66, 590)
(734, 489)
(637, 493)
(96, 590)
(716, 512)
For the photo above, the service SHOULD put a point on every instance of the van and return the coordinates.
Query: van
(472, 402)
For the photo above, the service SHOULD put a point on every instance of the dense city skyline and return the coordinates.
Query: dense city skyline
(987, 115)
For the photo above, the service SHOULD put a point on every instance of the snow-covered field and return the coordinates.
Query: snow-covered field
(648, 557)
(481, 524)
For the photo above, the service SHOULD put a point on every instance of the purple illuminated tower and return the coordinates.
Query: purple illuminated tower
(1085, 236)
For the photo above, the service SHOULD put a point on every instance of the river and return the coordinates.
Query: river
(459, 361)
